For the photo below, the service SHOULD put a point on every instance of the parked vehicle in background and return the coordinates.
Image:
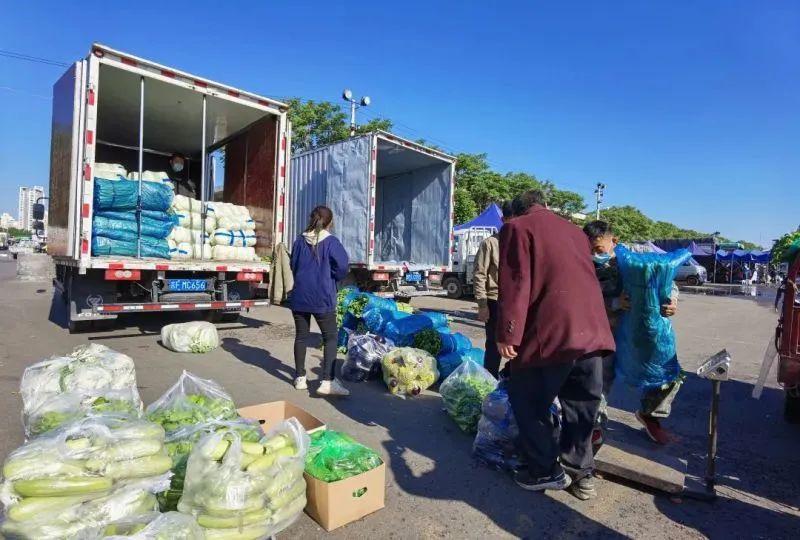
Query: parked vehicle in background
(459, 281)
(3, 241)
(692, 272)
(393, 205)
(134, 114)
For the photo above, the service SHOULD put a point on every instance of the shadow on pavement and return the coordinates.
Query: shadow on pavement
(258, 357)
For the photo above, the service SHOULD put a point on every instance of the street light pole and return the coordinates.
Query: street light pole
(714, 249)
(347, 95)
(598, 192)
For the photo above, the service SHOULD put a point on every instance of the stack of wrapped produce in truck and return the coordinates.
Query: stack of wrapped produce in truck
(191, 238)
(234, 237)
(126, 222)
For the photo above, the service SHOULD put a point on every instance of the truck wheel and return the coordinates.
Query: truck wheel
(216, 316)
(453, 287)
(693, 281)
(791, 409)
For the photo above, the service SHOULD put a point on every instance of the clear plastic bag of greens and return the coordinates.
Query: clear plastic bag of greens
(193, 337)
(407, 371)
(334, 456)
(70, 406)
(646, 355)
(155, 526)
(256, 489)
(88, 368)
(464, 392)
(191, 400)
(449, 362)
(179, 445)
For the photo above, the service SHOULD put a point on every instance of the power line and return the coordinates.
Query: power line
(29, 58)
(27, 92)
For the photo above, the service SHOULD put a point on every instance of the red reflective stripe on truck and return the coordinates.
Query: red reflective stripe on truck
(87, 172)
(222, 268)
(115, 266)
(167, 73)
(90, 97)
(233, 93)
(282, 199)
(283, 143)
(283, 171)
(162, 267)
(152, 307)
(263, 102)
(85, 211)
(185, 306)
(280, 226)
(372, 244)
(218, 305)
(84, 246)
(112, 308)
(129, 61)
(200, 84)
(89, 136)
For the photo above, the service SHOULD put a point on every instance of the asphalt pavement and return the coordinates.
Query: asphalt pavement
(434, 490)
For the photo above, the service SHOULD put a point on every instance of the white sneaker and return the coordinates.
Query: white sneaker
(300, 383)
(332, 388)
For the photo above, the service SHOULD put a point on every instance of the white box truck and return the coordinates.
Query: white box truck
(113, 109)
(392, 201)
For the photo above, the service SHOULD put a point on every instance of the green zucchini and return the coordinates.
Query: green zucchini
(60, 486)
(234, 519)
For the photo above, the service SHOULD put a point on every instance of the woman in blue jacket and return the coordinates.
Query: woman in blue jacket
(318, 261)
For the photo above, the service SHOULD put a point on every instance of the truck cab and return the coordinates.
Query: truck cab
(466, 242)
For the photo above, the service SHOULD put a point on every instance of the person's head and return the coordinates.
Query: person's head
(177, 162)
(508, 211)
(525, 201)
(602, 239)
(321, 219)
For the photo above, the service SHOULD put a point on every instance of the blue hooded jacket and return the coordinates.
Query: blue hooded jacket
(316, 266)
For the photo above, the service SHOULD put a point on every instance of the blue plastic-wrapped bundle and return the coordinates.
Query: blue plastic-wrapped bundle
(646, 354)
(150, 247)
(401, 330)
(378, 302)
(119, 229)
(376, 319)
(447, 363)
(456, 342)
(439, 320)
(130, 215)
(123, 195)
(350, 321)
(495, 443)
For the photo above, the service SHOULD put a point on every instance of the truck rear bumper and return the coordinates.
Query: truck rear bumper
(177, 306)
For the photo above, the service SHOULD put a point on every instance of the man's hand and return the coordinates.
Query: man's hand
(507, 351)
(668, 310)
(483, 313)
(624, 302)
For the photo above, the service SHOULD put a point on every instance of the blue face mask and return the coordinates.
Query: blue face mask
(601, 258)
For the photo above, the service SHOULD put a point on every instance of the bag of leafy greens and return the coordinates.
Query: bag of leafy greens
(463, 393)
(194, 337)
(334, 456)
(407, 371)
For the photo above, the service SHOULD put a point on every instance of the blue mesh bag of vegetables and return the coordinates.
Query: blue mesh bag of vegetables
(378, 302)
(439, 320)
(646, 354)
(150, 247)
(402, 330)
(453, 342)
(120, 229)
(376, 319)
(448, 363)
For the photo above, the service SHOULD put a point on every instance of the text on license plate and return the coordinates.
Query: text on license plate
(186, 285)
(414, 276)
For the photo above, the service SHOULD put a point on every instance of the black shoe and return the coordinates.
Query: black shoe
(584, 488)
(557, 481)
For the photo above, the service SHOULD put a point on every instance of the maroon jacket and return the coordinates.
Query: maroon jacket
(550, 305)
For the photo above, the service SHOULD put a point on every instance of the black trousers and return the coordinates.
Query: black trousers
(327, 324)
(491, 360)
(578, 386)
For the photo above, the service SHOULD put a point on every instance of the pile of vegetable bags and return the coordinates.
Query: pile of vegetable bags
(408, 371)
(82, 476)
(239, 489)
(193, 337)
(646, 355)
(364, 355)
(155, 526)
(464, 392)
(92, 380)
(334, 456)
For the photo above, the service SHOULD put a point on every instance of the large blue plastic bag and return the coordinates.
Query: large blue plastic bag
(119, 229)
(378, 302)
(150, 247)
(495, 442)
(130, 215)
(455, 342)
(439, 320)
(401, 330)
(376, 319)
(646, 356)
(124, 194)
(449, 362)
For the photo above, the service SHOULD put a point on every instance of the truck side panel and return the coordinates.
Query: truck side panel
(65, 159)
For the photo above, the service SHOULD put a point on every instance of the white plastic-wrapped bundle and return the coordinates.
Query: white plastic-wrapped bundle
(151, 176)
(109, 171)
(197, 222)
(232, 217)
(233, 253)
(180, 234)
(181, 251)
(238, 238)
(201, 251)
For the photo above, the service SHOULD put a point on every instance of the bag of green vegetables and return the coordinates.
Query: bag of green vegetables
(463, 393)
(244, 490)
(408, 371)
(155, 526)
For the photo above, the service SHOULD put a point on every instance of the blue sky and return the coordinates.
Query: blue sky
(688, 110)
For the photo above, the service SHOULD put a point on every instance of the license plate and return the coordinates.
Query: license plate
(186, 285)
(413, 277)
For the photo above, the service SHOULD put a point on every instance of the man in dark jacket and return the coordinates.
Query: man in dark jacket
(552, 324)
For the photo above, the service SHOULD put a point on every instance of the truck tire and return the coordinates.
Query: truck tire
(791, 407)
(694, 281)
(453, 287)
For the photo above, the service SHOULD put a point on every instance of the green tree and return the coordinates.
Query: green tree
(13, 232)
(628, 223)
(464, 207)
(781, 249)
(317, 123)
(565, 202)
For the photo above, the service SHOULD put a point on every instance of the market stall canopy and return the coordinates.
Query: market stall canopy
(492, 217)
(699, 251)
(741, 255)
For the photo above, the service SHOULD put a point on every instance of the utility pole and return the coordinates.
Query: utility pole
(347, 95)
(598, 193)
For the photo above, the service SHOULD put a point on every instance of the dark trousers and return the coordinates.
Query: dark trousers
(578, 385)
(491, 360)
(327, 324)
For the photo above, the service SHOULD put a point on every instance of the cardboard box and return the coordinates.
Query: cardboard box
(269, 414)
(333, 504)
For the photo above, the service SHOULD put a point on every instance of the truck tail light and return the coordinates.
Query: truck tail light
(123, 275)
(250, 276)
(435, 277)
(380, 276)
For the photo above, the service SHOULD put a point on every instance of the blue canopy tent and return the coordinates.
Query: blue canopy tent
(698, 251)
(490, 218)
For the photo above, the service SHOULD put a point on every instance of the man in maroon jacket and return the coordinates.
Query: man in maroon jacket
(552, 324)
